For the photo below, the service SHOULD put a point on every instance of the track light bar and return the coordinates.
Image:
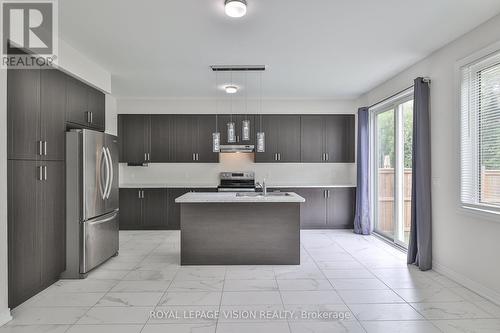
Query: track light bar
(234, 68)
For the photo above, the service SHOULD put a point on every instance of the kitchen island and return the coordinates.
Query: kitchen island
(240, 228)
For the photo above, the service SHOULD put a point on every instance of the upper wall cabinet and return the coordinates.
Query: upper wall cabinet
(282, 138)
(167, 138)
(85, 105)
(36, 114)
(327, 139)
(134, 137)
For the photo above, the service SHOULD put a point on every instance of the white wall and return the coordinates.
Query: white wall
(465, 246)
(4, 309)
(111, 115)
(193, 174)
(76, 64)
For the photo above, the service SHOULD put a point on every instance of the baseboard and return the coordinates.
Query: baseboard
(5, 317)
(478, 288)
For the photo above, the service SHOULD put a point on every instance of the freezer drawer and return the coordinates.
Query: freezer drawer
(100, 241)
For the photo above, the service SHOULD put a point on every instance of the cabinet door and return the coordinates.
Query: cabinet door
(76, 102)
(312, 139)
(270, 126)
(206, 126)
(288, 138)
(154, 208)
(53, 221)
(23, 113)
(313, 211)
(341, 205)
(339, 133)
(130, 208)
(23, 230)
(162, 138)
(133, 132)
(185, 138)
(174, 209)
(97, 106)
(53, 114)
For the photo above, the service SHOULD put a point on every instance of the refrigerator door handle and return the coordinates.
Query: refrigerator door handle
(105, 188)
(109, 162)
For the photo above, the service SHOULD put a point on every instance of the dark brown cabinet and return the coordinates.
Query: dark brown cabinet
(282, 139)
(166, 138)
(237, 119)
(36, 227)
(36, 116)
(85, 105)
(152, 208)
(143, 208)
(134, 137)
(327, 139)
(326, 208)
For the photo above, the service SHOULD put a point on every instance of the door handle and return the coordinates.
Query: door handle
(104, 189)
(327, 193)
(194, 157)
(139, 194)
(91, 117)
(323, 158)
(45, 172)
(40, 172)
(88, 116)
(327, 156)
(109, 161)
(197, 156)
(40, 148)
(145, 157)
(279, 156)
(45, 148)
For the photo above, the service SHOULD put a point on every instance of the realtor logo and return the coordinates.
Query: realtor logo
(29, 33)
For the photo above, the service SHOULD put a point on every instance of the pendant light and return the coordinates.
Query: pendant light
(235, 8)
(261, 136)
(216, 134)
(245, 124)
(231, 131)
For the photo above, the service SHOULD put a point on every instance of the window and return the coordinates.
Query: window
(480, 134)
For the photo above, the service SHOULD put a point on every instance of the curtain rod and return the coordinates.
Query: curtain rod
(425, 79)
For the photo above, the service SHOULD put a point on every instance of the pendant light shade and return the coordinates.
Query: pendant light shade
(261, 142)
(245, 130)
(235, 8)
(216, 142)
(231, 132)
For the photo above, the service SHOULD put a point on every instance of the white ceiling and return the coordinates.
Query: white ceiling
(313, 48)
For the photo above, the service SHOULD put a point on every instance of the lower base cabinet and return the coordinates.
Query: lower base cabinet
(326, 208)
(152, 208)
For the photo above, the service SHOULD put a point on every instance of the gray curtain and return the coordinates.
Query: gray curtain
(420, 247)
(362, 223)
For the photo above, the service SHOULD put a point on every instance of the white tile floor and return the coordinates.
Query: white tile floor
(341, 273)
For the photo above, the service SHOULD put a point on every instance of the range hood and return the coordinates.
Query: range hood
(237, 148)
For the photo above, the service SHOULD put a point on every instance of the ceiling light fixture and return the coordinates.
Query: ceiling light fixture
(235, 8)
(231, 89)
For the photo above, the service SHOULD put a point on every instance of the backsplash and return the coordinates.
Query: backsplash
(200, 174)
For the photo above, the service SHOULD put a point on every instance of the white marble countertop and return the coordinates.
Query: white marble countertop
(226, 197)
(159, 185)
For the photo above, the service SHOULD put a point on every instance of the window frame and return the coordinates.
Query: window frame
(476, 62)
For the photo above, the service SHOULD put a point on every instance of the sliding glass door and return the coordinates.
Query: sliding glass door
(392, 131)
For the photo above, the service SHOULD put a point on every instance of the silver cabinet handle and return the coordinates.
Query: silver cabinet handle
(45, 148)
(323, 158)
(327, 156)
(279, 156)
(143, 194)
(88, 116)
(276, 156)
(139, 194)
(91, 117)
(40, 148)
(197, 156)
(194, 157)
(327, 193)
(44, 172)
(40, 172)
(145, 157)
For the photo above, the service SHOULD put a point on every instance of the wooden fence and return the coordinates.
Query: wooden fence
(490, 187)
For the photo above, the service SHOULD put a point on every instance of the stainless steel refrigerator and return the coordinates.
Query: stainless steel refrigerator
(91, 200)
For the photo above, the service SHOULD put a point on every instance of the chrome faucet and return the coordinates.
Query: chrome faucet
(263, 187)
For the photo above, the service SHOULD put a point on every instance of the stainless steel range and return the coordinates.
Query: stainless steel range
(237, 182)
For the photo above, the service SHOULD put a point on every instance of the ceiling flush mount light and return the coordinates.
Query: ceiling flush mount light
(235, 8)
(231, 89)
